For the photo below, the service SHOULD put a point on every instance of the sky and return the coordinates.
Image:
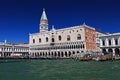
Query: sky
(19, 18)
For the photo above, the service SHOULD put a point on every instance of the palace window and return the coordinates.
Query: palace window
(33, 40)
(103, 42)
(78, 37)
(68, 37)
(39, 40)
(46, 39)
(116, 41)
(53, 40)
(59, 38)
(109, 42)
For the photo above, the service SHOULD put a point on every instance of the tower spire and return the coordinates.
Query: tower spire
(43, 22)
(43, 17)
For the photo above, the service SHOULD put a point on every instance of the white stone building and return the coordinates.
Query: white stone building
(98, 35)
(8, 50)
(110, 43)
(61, 43)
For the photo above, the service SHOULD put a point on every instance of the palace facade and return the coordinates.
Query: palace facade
(61, 43)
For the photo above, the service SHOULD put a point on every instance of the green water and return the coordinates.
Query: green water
(59, 70)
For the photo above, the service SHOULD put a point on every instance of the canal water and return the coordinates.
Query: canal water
(66, 69)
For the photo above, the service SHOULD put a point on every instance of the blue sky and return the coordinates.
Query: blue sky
(18, 18)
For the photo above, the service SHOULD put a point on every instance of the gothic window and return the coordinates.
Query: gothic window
(39, 40)
(78, 37)
(59, 38)
(46, 39)
(68, 37)
(116, 41)
(53, 40)
(33, 40)
(109, 42)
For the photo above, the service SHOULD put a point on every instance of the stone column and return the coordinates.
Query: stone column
(64, 54)
(48, 53)
(56, 53)
(106, 42)
(101, 43)
(113, 42)
(75, 52)
(107, 50)
(51, 53)
(67, 53)
(113, 52)
(119, 41)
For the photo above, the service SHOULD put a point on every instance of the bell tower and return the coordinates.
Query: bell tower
(43, 22)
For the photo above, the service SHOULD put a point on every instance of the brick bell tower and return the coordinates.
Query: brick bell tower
(43, 22)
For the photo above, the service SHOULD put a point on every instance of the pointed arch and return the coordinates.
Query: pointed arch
(110, 50)
(117, 51)
(62, 54)
(65, 54)
(58, 54)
